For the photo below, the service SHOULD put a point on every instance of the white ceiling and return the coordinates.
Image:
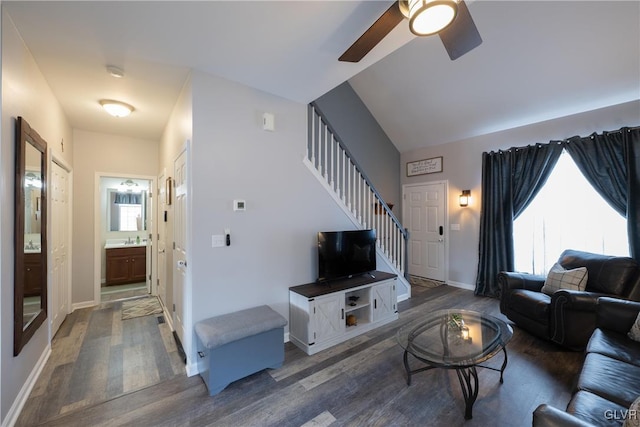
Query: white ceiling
(539, 60)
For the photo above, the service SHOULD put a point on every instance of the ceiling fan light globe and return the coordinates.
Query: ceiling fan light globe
(429, 17)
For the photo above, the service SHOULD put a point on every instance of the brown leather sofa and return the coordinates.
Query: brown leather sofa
(610, 378)
(568, 316)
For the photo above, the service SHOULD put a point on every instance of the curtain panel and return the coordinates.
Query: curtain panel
(510, 181)
(512, 178)
(128, 198)
(611, 164)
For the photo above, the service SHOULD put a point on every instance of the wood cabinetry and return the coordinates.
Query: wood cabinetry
(32, 274)
(324, 314)
(126, 265)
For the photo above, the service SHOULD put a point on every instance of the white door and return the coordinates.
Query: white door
(179, 241)
(161, 286)
(424, 213)
(60, 279)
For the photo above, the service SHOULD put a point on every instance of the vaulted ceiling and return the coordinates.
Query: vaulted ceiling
(539, 60)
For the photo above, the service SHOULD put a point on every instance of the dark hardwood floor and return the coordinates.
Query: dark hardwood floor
(357, 383)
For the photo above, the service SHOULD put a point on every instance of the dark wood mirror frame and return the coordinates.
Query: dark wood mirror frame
(26, 136)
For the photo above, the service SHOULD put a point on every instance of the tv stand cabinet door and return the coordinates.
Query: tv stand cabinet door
(328, 317)
(384, 300)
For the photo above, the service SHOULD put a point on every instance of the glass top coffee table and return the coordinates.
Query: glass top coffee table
(456, 339)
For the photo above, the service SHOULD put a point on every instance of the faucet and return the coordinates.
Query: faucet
(129, 241)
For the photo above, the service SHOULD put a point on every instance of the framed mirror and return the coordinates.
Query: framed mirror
(30, 242)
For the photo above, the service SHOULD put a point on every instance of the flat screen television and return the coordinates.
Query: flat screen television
(344, 254)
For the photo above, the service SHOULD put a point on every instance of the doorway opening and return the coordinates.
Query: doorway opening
(124, 224)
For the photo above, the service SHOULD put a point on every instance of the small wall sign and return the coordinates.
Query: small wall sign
(422, 167)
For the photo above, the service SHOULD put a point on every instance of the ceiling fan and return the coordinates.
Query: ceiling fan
(450, 19)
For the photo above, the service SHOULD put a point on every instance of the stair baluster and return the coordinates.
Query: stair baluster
(332, 163)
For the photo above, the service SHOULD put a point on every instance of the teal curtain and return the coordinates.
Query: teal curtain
(128, 198)
(512, 178)
(611, 163)
(510, 181)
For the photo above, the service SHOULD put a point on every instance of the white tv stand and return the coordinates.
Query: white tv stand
(321, 314)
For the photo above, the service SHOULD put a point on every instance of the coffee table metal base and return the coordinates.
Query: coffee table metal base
(468, 377)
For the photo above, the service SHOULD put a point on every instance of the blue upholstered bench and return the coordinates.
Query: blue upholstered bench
(235, 345)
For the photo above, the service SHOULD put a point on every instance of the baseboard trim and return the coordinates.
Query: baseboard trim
(167, 316)
(461, 285)
(80, 305)
(25, 391)
(191, 369)
(403, 297)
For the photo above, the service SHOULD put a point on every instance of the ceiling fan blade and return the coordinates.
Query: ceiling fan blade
(367, 41)
(462, 35)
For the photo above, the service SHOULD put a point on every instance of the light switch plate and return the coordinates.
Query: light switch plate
(455, 227)
(269, 122)
(217, 241)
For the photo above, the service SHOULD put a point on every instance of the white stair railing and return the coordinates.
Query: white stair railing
(332, 163)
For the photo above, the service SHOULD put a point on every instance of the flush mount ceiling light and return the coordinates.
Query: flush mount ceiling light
(428, 17)
(116, 108)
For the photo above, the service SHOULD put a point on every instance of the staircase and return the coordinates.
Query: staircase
(334, 167)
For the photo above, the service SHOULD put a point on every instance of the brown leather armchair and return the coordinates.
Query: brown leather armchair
(568, 316)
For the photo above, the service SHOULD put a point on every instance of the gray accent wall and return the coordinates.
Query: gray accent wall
(365, 140)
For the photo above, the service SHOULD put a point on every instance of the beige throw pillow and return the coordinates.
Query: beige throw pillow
(559, 278)
(634, 333)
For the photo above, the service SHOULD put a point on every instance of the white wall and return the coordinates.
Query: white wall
(462, 167)
(273, 243)
(113, 155)
(24, 93)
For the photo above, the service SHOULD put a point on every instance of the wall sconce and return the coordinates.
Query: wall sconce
(465, 197)
(129, 186)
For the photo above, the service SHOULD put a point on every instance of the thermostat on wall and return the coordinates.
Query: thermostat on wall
(239, 205)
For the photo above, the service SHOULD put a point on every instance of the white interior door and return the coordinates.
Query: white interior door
(180, 246)
(161, 286)
(60, 280)
(424, 213)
